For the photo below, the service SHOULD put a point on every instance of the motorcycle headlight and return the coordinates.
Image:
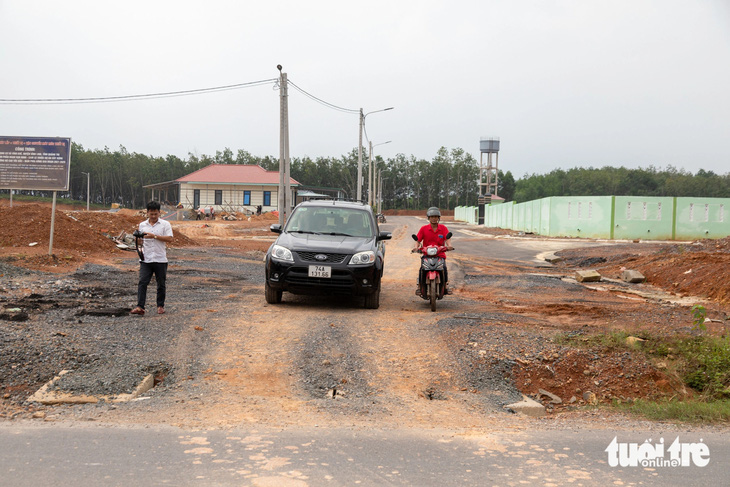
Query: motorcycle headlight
(363, 258)
(431, 251)
(281, 253)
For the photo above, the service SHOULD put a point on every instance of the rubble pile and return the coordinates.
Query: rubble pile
(700, 268)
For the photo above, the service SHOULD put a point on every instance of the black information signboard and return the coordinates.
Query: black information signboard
(40, 163)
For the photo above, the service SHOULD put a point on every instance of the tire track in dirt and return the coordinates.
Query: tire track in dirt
(251, 366)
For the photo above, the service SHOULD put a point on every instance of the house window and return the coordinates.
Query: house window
(218, 196)
(247, 197)
(267, 198)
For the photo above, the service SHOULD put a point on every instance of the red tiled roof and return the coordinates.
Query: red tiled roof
(234, 174)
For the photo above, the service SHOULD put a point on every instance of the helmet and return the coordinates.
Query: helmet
(433, 211)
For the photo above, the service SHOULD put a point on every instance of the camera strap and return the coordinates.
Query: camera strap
(140, 250)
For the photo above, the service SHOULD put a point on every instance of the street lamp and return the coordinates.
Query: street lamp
(380, 191)
(359, 151)
(371, 174)
(88, 185)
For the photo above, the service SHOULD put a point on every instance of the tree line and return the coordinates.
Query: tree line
(620, 181)
(448, 180)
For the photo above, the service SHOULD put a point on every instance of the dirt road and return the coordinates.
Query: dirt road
(223, 357)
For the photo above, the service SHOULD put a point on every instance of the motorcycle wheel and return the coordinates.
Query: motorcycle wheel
(432, 294)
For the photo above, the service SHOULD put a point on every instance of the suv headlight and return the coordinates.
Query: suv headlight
(363, 258)
(281, 253)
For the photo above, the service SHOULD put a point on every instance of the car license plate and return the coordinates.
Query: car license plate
(320, 271)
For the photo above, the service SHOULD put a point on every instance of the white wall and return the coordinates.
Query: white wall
(232, 196)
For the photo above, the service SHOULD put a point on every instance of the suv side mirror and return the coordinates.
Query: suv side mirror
(276, 228)
(385, 236)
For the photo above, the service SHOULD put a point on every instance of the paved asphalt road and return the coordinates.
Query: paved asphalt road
(97, 455)
(512, 249)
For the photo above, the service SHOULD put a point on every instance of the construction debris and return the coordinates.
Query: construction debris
(632, 276)
(587, 276)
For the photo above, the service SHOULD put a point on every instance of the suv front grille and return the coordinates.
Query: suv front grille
(331, 258)
(297, 276)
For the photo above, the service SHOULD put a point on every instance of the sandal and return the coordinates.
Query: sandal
(160, 310)
(137, 311)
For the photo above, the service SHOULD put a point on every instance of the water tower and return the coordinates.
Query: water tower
(487, 173)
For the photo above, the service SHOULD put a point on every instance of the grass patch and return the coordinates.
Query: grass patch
(690, 411)
(707, 367)
(614, 340)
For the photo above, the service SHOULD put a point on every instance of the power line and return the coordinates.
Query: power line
(168, 94)
(148, 96)
(325, 103)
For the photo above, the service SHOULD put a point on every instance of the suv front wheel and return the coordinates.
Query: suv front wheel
(372, 301)
(272, 295)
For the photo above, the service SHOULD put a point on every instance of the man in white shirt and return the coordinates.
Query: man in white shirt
(157, 233)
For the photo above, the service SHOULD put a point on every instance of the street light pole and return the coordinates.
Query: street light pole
(359, 150)
(88, 186)
(359, 159)
(371, 175)
(381, 180)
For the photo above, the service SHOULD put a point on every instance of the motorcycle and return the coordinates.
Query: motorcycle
(431, 274)
(381, 218)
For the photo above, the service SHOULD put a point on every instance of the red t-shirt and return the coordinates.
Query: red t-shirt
(429, 237)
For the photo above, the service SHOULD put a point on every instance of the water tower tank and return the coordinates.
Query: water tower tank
(489, 145)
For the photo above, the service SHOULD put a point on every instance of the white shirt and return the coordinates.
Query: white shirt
(155, 250)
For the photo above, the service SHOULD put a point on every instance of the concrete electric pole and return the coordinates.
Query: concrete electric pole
(359, 151)
(359, 159)
(372, 195)
(284, 179)
(88, 186)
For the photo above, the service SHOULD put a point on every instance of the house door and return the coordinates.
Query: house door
(196, 199)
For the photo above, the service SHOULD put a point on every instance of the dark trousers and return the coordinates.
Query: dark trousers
(146, 269)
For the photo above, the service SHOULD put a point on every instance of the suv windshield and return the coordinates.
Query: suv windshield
(328, 220)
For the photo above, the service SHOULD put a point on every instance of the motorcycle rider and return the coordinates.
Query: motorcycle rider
(434, 234)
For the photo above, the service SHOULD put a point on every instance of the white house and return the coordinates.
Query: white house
(232, 187)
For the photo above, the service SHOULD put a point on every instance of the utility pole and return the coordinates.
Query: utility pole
(359, 151)
(88, 186)
(284, 179)
(379, 191)
(370, 174)
(372, 177)
(359, 160)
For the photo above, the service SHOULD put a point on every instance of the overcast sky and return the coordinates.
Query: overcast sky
(562, 83)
